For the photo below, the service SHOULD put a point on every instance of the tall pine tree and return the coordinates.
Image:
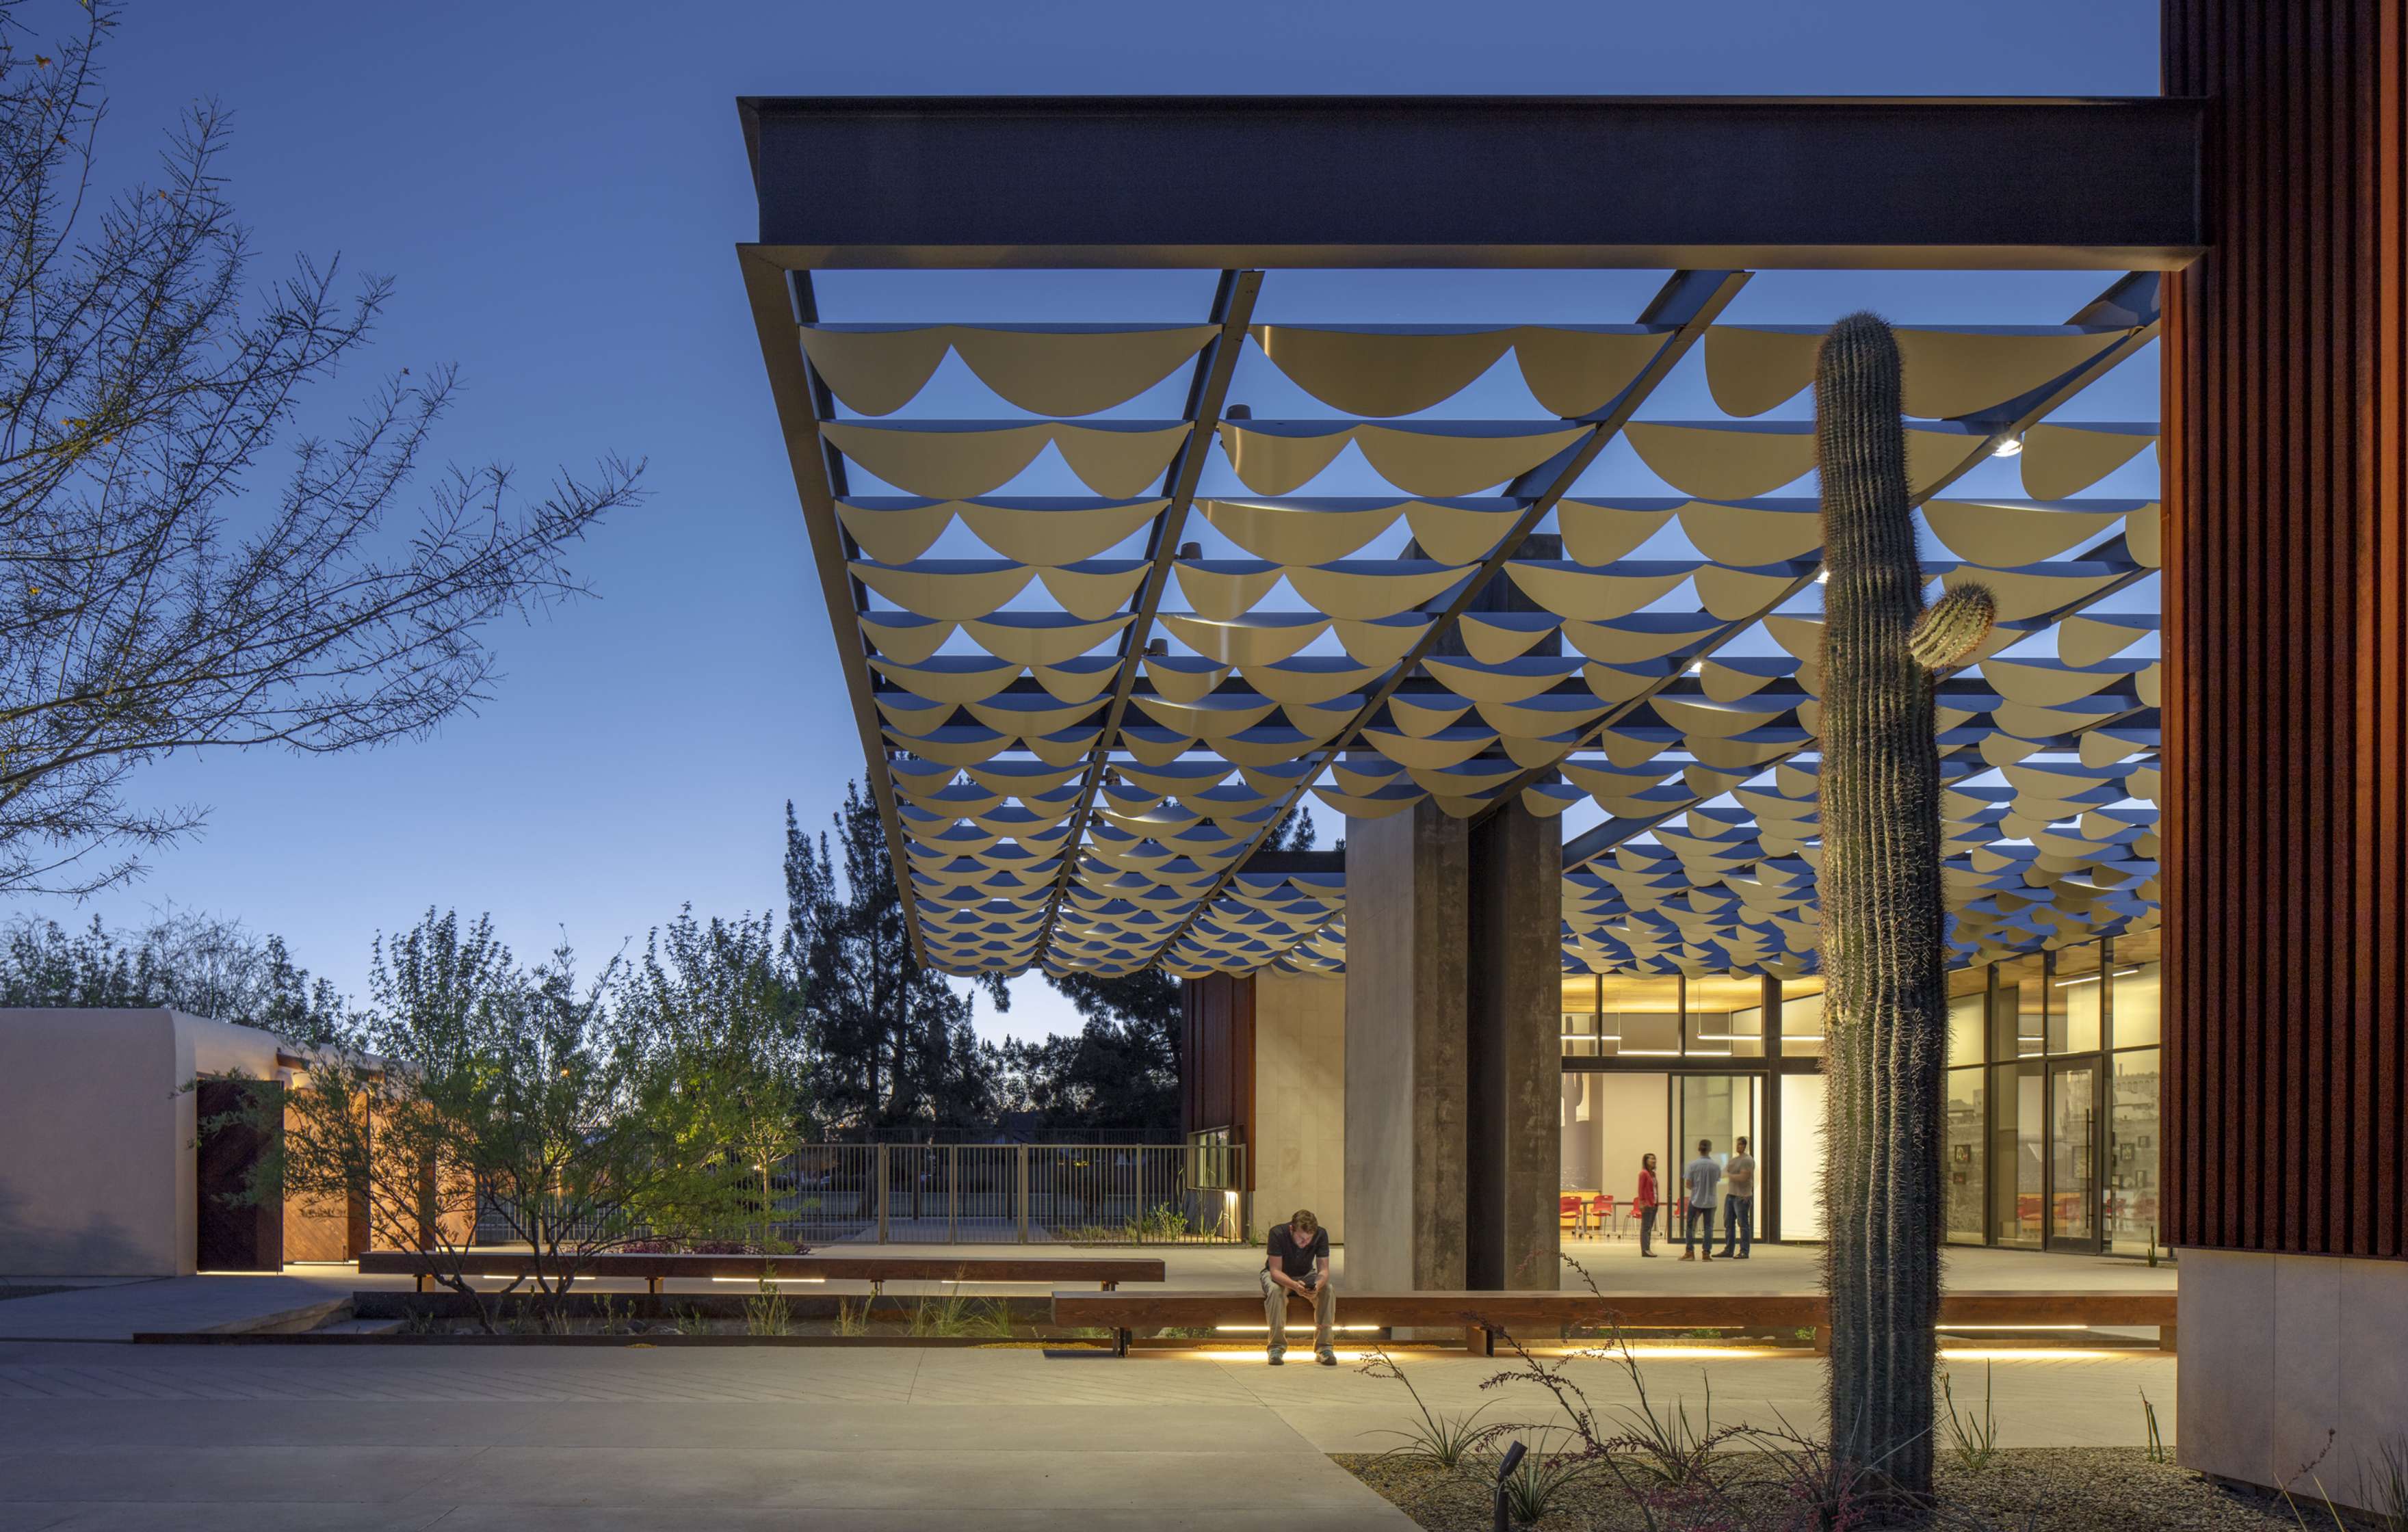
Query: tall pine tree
(892, 1039)
(1119, 1074)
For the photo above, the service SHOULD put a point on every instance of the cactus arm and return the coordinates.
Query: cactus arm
(1953, 627)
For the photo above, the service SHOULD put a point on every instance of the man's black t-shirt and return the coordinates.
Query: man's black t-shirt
(1296, 1263)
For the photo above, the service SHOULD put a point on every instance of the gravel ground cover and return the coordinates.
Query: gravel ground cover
(2056, 1489)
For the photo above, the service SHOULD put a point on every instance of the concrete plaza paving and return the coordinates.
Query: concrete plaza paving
(264, 1438)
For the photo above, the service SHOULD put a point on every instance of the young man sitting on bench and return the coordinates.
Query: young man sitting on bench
(1299, 1262)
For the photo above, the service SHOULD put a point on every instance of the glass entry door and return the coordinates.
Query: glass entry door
(2075, 1140)
(1723, 1109)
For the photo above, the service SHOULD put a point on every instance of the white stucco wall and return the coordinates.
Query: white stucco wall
(1299, 1129)
(96, 1160)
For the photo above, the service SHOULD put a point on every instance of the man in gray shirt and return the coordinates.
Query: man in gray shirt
(1738, 1204)
(1701, 1176)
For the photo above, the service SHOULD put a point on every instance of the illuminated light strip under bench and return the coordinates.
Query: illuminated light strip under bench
(1481, 1316)
(1108, 1272)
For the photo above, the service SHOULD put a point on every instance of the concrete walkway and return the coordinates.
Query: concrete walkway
(178, 1305)
(266, 1439)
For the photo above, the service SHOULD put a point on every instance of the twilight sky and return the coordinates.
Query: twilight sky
(557, 189)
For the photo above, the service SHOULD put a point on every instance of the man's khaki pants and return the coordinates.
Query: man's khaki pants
(1324, 1311)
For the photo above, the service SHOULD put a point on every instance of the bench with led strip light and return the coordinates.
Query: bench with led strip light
(1481, 1316)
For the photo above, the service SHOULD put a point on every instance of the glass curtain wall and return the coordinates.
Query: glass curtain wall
(1963, 1187)
(2052, 1099)
(2050, 1135)
(2132, 1203)
(1723, 1016)
(1653, 1063)
(1583, 1016)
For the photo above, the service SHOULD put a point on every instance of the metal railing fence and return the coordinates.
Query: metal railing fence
(998, 1193)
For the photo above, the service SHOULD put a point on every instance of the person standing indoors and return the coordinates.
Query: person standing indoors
(1701, 1176)
(1299, 1262)
(1739, 1203)
(1643, 1202)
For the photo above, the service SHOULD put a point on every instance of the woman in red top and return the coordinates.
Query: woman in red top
(1643, 1204)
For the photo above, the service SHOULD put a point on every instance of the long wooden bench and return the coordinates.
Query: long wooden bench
(1108, 1272)
(1484, 1315)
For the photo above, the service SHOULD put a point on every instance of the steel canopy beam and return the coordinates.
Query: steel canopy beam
(1714, 182)
(782, 305)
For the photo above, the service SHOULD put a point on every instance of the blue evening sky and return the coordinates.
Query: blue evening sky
(557, 189)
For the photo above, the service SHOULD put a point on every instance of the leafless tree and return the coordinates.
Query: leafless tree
(153, 596)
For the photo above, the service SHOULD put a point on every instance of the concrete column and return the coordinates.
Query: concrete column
(1405, 1051)
(1515, 1068)
(1453, 1067)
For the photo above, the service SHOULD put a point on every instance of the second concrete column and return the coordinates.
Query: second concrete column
(1454, 1066)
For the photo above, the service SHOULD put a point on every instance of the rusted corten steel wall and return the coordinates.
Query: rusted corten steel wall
(1216, 1057)
(2286, 701)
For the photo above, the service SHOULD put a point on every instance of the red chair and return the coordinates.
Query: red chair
(1568, 1212)
(1600, 1210)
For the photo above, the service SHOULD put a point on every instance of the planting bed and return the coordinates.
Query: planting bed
(740, 1314)
(2059, 1489)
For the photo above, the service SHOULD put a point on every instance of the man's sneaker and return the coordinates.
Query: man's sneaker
(1279, 1356)
(1326, 1357)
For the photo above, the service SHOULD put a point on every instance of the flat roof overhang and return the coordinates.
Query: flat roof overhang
(1714, 182)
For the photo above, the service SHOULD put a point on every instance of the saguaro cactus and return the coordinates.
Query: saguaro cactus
(1885, 1005)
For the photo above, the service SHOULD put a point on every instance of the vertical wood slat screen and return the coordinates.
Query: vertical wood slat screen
(2287, 641)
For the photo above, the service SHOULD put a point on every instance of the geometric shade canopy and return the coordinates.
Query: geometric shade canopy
(1119, 595)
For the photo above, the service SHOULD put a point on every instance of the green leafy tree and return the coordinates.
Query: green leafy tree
(471, 1089)
(156, 596)
(1112, 1079)
(204, 965)
(716, 998)
(891, 1040)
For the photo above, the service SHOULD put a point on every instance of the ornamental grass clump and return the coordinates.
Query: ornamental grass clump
(1885, 1000)
(1442, 1440)
(2384, 1484)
